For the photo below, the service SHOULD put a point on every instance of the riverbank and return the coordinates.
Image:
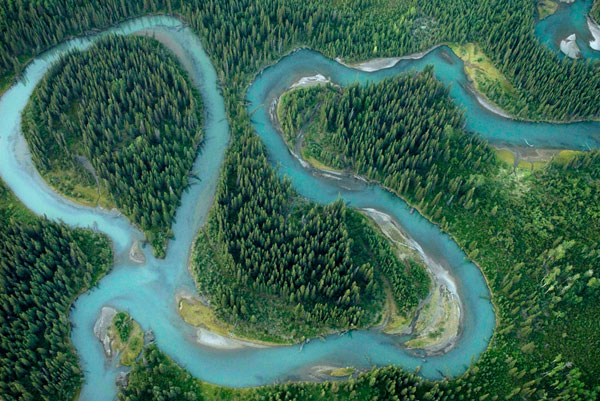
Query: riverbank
(385, 62)
(215, 332)
(595, 32)
(435, 324)
(546, 8)
(48, 290)
(478, 69)
(481, 72)
(211, 331)
(532, 159)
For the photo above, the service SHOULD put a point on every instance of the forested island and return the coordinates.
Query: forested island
(118, 124)
(126, 108)
(467, 190)
(307, 272)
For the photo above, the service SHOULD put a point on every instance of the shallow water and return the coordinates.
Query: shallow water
(568, 19)
(148, 292)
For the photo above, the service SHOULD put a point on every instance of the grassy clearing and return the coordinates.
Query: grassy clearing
(128, 337)
(525, 165)
(74, 183)
(534, 162)
(506, 156)
(396, 323)
(546, 8)
(438, 321)
(317, 164)
(220, 393)
(197, 314)
(479, 67)
(565, 156)
(539, 165)
(487, 79)
(342, 372)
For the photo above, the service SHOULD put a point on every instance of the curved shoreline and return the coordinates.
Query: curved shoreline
(438, 273)
(78, 327)
(594, 28)
(382, 63)
(350, 178)
(442, 282)
(143, 273)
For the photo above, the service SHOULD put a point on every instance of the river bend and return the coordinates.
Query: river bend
(148, 292)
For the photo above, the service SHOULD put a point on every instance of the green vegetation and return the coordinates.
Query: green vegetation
(596, 10)
(128, 337)
(546, 8)
(342, 372)
(123, 324)
(488, 80)
(304, 271)
(534, 235)
(506, 31)
(156, 376)
(119, 123)
(541, 230)
(543, 287)
(404, 132)
(294, 112)
(356, 29)
(44, 266)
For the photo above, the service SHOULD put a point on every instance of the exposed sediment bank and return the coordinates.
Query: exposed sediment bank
(436, 324)
(488, 105)
(311, 81)
(595, 31)
(211, 331)
(381, 63)
(136, 254)
(101, 329)
(569, 47)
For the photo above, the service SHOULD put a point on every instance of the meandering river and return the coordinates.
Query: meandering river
(148, 292)
(568, 19)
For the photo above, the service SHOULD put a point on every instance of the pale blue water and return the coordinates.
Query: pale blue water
(148, 292)
(568, 19)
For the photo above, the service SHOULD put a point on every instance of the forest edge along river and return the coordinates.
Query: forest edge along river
(148, 292)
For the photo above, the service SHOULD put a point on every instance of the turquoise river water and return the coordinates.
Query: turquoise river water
(568, 19)
(149, 292)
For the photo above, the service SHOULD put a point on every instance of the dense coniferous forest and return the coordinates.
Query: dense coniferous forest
(158, 378)
(128, 108)
(596, 10)
(354, 29)
(545, 292)
(44, 266)
(548, 87)
(535, 237)
(285, 269)
(155, 376)
(404, 132)
(546, 225)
